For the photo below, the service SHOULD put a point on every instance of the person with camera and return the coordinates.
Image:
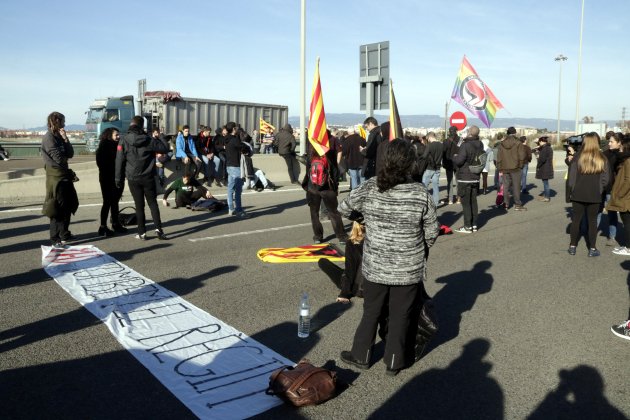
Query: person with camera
(544, 166)
(587, 180)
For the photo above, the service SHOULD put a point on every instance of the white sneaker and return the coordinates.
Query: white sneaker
(622, 330)
(622, 250)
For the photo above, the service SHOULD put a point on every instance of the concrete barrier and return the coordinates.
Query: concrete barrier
(29, 184)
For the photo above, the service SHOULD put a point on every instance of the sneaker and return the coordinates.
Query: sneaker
(57, 245)
(519, 208)
(68, 238)
(622, 330)
(348, 358)
(161, 235)
(271, 186)
(105, 232)
(617, 248)
(622, 250)
(474, 228)
(572, 250)
(450, 202)
(317, 240)
(544, 199)
(241, 215)
(219, 183)
(593, 252)
(142, 236)
(464, 229)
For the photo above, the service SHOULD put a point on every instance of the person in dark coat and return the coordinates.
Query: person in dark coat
(56, 150)
(351, 153)
(450, 149)
(588, 177)
(468, 181)
(612, 153)
(135, 161)
(106, 162)
(544, 166)
(374, 138)
(285, 141)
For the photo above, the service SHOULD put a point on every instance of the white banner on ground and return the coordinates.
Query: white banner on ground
(215, 370)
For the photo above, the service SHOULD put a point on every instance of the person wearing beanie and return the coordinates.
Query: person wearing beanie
(510, 160)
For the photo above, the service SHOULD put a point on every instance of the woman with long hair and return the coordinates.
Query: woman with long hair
(61, 199)
(588, 178)
(106, 162)
(401, 225)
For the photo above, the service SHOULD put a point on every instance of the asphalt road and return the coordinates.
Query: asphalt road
(524, 327)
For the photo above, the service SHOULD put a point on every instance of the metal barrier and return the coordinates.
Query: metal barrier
(24, 150)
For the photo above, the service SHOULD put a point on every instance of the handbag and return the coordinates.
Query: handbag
(303, 384)
(127, 219)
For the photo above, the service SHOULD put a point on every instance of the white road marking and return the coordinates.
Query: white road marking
(250, 232)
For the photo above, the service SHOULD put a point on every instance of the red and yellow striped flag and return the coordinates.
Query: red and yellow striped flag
(395, 126)
(362, 132)
(265, 127)
(317, 134)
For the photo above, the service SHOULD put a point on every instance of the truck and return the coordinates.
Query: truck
(169, 111)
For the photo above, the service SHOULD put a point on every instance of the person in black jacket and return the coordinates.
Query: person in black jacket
(135, 160)
(285, 142)
(450, 149)
(106, 162)
(467, 181)
(369, 151)
(351, 152)
(56, 150)
(433, 157)
(233, 148)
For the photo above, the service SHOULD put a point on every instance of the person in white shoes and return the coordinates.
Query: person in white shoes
(622, 330)
(620, 193)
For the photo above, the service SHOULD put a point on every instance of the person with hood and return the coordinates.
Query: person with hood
(135, 160)
(468, 181)
(510, 160)
(61, 199)
(544, 166)
(285, 142)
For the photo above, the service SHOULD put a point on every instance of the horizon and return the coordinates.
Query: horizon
(513, 53)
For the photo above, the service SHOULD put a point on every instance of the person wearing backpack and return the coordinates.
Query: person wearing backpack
(468, 179)
(321, 185)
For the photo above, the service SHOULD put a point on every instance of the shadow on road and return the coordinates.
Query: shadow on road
(463, 390)
(579, 395)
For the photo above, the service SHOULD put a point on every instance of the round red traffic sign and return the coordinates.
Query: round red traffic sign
(458, 120)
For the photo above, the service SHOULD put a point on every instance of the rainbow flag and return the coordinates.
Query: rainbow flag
(265, 127)
(395, 126)
(474, 95)
(317, 134)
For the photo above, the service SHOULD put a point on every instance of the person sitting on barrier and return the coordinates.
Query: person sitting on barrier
(187, 191)
(161, 159)
(218, 146)
(206, 150)
(4, 155)
(186, 151)
(106, 162)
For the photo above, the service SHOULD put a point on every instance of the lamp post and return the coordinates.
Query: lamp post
(303, 79)
(579, 75)
(560, 58)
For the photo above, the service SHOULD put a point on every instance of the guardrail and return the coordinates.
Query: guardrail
(24, 150)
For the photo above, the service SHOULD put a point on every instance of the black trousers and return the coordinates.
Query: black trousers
(376, 299)
(329, 197)
(185, 199)
(292, 165)
(141, 190)
(579, 209)
(111, 197)
(59, 226)
(625, 218)
(468, 191)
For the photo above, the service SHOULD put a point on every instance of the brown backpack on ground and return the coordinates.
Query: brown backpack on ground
(303, 384)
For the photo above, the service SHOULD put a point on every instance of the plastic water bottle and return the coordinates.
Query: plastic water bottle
(304, 320)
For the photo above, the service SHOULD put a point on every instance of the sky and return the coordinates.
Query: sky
(61, 55)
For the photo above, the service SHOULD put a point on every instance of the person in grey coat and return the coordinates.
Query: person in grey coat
(401, 225)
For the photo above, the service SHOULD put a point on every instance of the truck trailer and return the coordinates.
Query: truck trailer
(169, 111)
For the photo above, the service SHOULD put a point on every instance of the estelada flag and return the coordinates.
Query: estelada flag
(305, 253)
(362, 132)
(395, 126)
(317, 127)
(474, 95)
(265, 127)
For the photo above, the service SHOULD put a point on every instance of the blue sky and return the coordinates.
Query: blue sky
(62, 55)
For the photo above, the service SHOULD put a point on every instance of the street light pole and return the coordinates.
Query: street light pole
(577, 96)
(560, 58)
(303, 80)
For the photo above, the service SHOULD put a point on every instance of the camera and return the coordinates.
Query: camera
(573, 141)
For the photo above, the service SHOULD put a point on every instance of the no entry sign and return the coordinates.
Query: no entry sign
(458, 120)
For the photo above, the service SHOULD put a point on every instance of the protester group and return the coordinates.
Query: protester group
(393, 212)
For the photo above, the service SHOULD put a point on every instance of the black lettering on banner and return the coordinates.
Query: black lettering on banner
(149, 293)
(115, 288)
(149, 312)
(240, 397)
(103, 270)
(180, 367)
(181, 335)
(198, 386)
